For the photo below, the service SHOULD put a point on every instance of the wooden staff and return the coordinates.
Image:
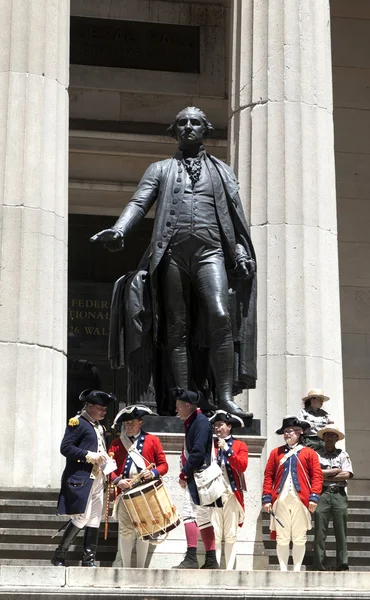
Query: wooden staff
(107, 506)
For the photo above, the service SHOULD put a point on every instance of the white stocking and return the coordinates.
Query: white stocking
(141, 553)
(283, 556)
(125, 546)
(218, 551)
(298, 553)
(230, 555)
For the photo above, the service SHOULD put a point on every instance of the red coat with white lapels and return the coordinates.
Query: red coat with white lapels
(306, 474)
(236, 460)
(151, 450)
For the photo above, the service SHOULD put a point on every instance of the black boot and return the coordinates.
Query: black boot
(211, 561)
(190, 560)
(90, 546)
(69, 535)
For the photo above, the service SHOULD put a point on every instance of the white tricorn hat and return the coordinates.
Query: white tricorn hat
(316, 393)
(331, 428)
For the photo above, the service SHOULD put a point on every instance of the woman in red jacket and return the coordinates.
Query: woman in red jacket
(291, 490)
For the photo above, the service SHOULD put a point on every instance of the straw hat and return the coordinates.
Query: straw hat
(316, 393)
(331, 428)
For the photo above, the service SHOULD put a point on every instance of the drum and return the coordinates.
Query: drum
(151, 510)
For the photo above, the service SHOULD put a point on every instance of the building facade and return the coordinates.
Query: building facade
(286, 85)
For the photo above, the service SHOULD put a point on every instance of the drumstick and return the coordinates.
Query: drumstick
(139, 475)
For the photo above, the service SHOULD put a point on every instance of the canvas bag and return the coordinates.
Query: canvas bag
(211, 484)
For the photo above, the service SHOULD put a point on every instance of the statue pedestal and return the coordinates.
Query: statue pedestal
(161, 424)
(249, 544)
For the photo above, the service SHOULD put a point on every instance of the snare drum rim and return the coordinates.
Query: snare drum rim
(170, 527)
(138, 491)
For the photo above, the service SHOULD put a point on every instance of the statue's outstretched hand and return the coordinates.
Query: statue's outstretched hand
(111, 238)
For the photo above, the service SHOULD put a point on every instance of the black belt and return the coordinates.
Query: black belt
(334, 489)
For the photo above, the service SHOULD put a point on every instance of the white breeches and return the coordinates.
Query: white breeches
(201, 515)
(295, 518)
(125, 526)
(127, 537)
(93, 511)
(225, 520)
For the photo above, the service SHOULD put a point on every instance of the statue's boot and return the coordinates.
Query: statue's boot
(231, 407)
(90, 546)
(69, 535)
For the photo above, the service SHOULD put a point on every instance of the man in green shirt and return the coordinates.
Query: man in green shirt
(333, 504)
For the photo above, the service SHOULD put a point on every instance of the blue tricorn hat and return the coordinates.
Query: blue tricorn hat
(97, 397)
(129, 413)
(186, 395)
(223, 415)
(292, 422)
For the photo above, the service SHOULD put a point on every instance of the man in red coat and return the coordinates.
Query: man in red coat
(232, 457)
(133, 451)
(291, 490)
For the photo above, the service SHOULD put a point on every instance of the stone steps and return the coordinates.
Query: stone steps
(30, 494)
(47, 583)
(358, 528)
(28, 520)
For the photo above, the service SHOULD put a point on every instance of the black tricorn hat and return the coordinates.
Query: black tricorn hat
(223, 415)
(97, 397)
(186, 395)
(132, 412)
(292, 421)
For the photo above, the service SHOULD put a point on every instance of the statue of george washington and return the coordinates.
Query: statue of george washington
(191, 306)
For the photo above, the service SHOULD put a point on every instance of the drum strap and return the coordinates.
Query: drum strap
(132, 452)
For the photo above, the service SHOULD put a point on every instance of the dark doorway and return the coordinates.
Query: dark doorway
(92, 271)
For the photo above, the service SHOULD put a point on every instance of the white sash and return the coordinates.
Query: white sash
(132, 451)
(292, 451)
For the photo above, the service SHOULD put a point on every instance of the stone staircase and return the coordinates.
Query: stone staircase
(358, 538)
(27, 522)
(72, 583)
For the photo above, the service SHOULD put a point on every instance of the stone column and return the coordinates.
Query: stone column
(34, 65)
(282, 149)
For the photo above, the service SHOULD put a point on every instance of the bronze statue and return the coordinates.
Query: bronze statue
(199, 298)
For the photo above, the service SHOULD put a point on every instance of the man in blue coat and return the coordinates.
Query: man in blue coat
(82, 487)
(197, 454)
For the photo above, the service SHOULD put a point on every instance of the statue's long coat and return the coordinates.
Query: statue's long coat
(136, 307)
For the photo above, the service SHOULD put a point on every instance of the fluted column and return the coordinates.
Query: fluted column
(282, 149)
(34, 65)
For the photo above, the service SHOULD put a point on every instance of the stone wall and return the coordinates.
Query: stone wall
(351, 72)
(133, 107)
